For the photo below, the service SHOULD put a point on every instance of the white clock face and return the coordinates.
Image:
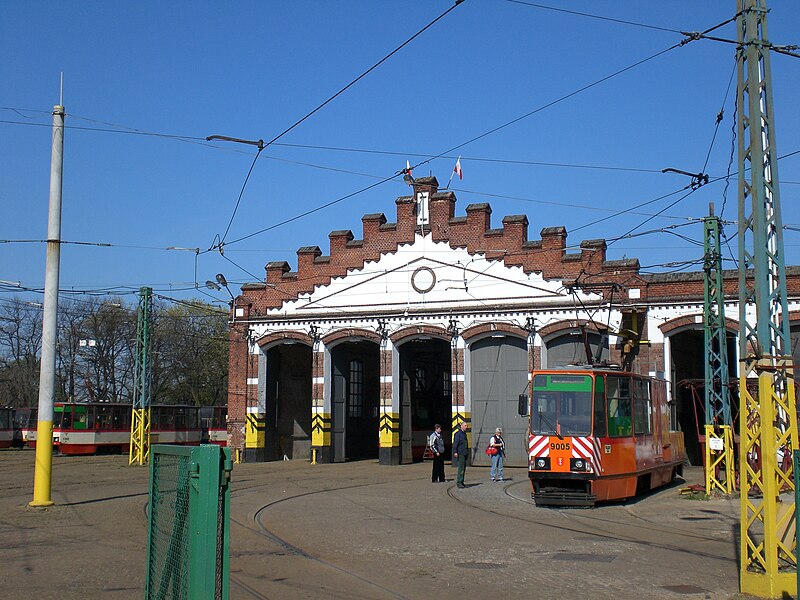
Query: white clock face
(423, 280)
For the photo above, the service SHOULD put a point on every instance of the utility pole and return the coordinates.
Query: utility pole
(768, 427)
(42, 475)
(718, 434)
(139, 451)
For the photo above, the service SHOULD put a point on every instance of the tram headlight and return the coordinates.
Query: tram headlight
(578, 464)
(542, 463)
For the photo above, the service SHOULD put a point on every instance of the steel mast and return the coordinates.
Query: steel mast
(768, 428)
(719, 461)
(143, 379)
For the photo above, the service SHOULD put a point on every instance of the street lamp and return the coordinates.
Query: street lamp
(219, 284)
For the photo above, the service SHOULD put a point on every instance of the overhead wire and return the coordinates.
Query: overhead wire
(261, 145)
(592, 16)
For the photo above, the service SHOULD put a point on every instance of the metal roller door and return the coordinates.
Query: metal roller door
(498, 375)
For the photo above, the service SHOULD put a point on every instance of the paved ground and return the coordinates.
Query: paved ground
(360, 530)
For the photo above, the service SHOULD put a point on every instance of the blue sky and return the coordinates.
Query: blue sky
(250, 70)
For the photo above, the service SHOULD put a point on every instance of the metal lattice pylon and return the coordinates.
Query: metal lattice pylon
(768, 428)
(719, 454)
(143, 379)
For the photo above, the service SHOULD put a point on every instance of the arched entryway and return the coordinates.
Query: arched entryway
(498, 374)
(355, 400)
(287, 401)
(425, 392)
(687, 374)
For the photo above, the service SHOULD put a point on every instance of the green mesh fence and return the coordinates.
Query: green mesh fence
(188, 538)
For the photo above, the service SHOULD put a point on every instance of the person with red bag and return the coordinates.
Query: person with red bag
(496, 451)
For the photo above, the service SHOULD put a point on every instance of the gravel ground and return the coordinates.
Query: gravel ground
(361, 530)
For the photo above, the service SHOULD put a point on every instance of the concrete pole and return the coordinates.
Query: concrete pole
(47, 372)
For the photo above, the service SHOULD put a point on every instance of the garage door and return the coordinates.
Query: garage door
(498, 375)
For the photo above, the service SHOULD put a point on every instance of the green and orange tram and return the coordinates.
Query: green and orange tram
(598, 434)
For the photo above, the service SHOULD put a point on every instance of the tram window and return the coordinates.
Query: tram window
(103, 419)
(599, 407)
(64, 418)
(643, 408)
(180, 418)
(420, 384)
(355, 405)
(79, 418)
(447, 383)
(543, 412)
(619, 405)
(191, 418)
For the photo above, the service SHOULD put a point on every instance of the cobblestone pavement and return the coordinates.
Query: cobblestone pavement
(361, 530)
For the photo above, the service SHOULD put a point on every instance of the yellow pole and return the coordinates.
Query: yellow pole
(42, 473)
(47, 367)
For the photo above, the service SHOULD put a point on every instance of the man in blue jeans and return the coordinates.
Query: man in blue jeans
(460, 453)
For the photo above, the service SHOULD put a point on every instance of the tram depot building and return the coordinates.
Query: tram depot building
(438, 318)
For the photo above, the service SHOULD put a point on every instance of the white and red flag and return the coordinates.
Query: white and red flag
(408, 167)
(457, 169)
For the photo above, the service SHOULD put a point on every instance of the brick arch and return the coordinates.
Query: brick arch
(486, 328)
(570, 325)
(691, 322)
(283, 336)
(404, 334)
(351, 332)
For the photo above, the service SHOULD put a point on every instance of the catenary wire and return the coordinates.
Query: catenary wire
(591, 16)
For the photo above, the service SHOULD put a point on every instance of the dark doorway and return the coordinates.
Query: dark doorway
(688, 377)
(355, 399)
(425, 395)
(288, 402)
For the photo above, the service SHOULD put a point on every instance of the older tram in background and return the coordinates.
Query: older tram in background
(214, 425)
(103, 427)
(6, 427)
(598, 434)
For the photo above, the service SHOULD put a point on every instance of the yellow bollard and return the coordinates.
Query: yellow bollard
(313, 456)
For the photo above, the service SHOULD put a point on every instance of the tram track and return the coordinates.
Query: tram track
(604, 529)
(261, 529)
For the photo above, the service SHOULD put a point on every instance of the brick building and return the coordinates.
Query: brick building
(439, 318)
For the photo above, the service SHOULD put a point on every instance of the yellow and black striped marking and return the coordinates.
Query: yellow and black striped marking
(455, 423)
(389, 428)
(321, 429)
(255, 431)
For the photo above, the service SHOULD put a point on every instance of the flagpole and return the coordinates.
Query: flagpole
(453, 172)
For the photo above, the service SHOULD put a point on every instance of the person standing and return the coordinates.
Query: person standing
(498, 443)
(436, 442)
(460, 452)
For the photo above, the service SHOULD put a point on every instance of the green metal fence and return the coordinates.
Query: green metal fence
(188, 535)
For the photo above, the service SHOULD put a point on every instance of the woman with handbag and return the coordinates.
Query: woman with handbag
(496, 451)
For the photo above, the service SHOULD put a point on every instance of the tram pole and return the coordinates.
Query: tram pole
(47, 369)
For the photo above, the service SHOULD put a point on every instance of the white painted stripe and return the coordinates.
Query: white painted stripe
(254, 410)
(456, 377)
(386, 379)
(252, 381)
(319, 380)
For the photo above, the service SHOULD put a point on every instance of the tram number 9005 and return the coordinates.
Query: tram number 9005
(560, 446)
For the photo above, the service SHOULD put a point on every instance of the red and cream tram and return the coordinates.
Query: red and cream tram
(214, 424)
(89, 428)
(25, 423)
(598, 434)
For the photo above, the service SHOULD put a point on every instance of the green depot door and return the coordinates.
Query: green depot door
(498, 375)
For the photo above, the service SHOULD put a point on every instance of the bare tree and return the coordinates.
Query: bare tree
(20, 347)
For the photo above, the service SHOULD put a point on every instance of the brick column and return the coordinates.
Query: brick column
(320, 414)
(389, 423)
(460, 412)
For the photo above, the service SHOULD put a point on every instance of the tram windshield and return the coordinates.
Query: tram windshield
(561, 404)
